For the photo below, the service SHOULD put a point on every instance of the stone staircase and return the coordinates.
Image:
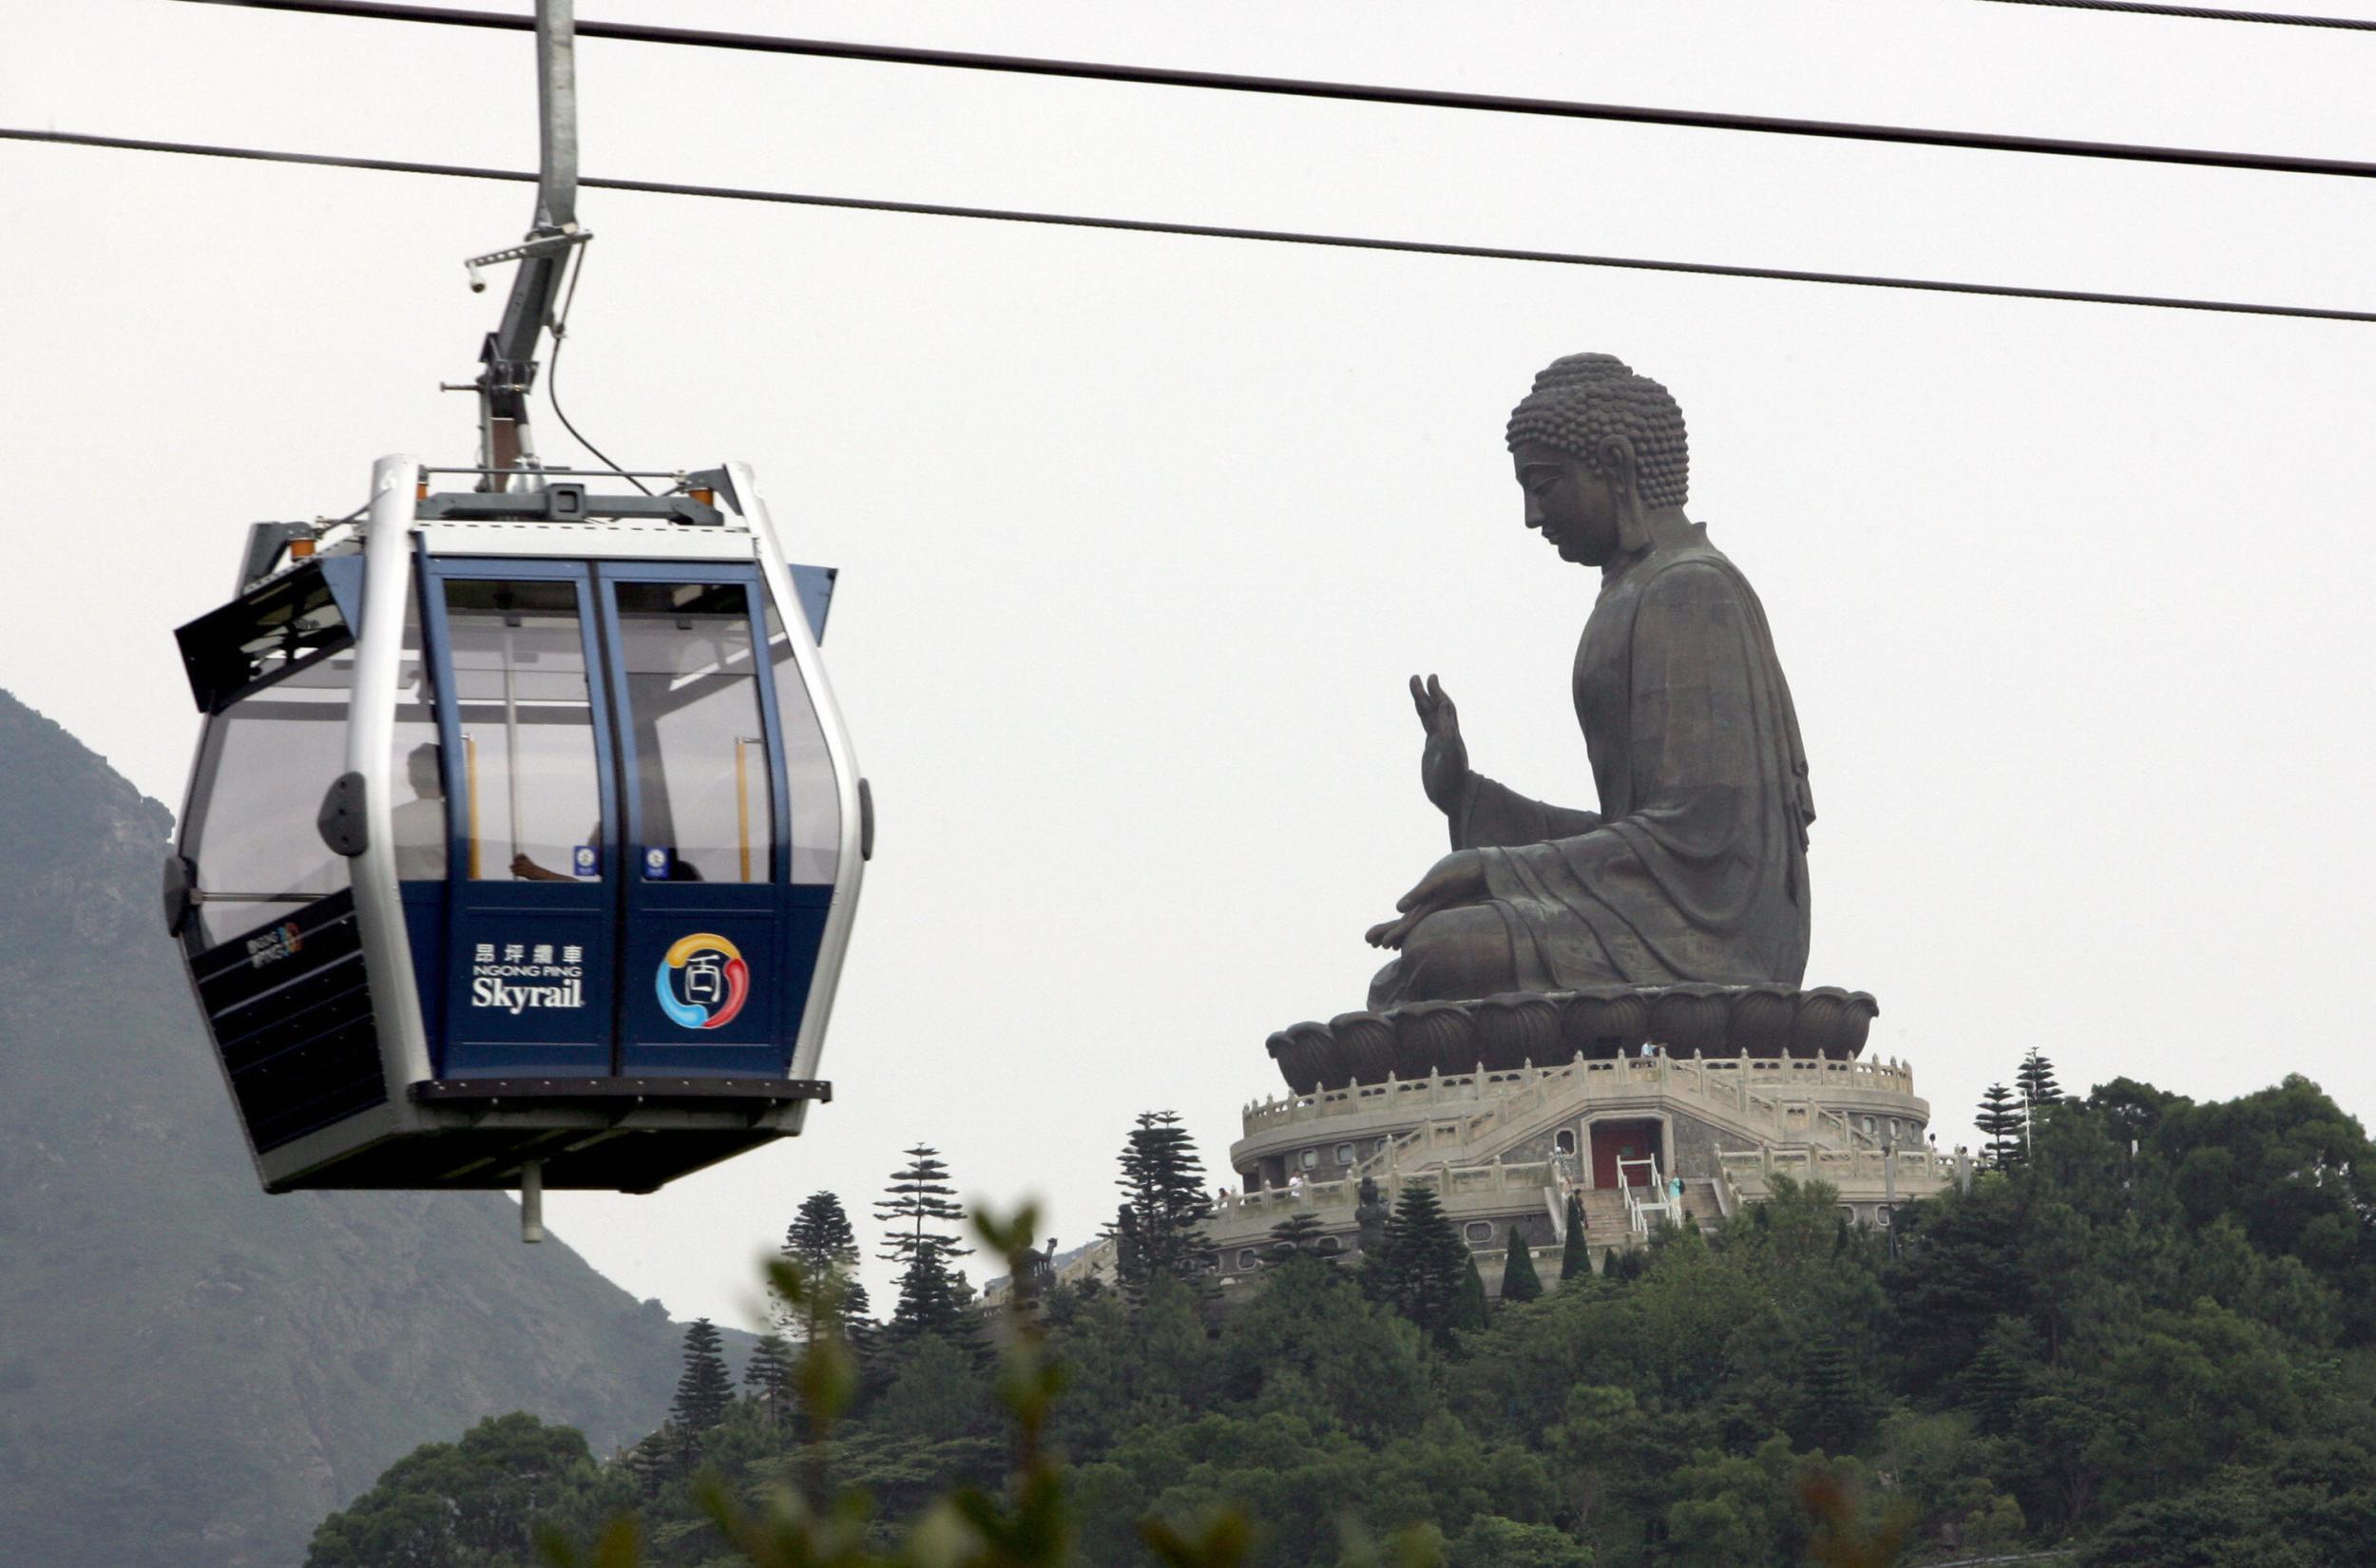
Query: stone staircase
(1606, 1223)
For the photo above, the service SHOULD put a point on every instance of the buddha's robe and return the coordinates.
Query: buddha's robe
(1695, 868)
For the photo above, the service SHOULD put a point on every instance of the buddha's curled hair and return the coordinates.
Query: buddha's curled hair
(1583, 399)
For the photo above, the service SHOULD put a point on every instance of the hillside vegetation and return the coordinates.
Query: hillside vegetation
(2150, 1336)
(191, 1372)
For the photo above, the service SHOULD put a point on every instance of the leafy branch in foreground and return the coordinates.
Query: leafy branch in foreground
(1027, 1524)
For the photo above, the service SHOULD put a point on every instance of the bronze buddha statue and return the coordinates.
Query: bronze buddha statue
(1694, 867)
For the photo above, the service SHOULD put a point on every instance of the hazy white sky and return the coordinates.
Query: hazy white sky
(1141, 536)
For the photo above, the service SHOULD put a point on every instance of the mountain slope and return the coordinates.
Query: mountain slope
(191, 1372)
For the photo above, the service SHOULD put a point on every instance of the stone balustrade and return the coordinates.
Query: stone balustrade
(1740, 1082)
(1338, 1198)
(1917, 1172)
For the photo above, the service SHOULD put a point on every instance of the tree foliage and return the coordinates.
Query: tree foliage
(1418, 1271)
(2148, 1343)
(2035, 1080)
(821, 1244)
(919, 1209)
(470, 1503)
(1298, 1232)
(819, 1239)
(1519, 1280)
(704, 1389)
(1576, 1251)
(2000, 1124)
(769, 1376)
(1164, 1204)
(931, 1297)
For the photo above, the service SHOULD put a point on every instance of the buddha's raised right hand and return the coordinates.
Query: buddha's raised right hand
(1444, 766)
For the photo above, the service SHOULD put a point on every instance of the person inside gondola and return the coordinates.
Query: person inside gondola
(528, 871)
(419, 824)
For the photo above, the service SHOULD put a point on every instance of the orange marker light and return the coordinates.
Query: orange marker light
(707, 498)
(300, 548)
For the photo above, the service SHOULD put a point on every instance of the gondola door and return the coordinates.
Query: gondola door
(532, 881)
(704, 866)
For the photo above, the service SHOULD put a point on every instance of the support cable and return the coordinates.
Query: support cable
(2201, 13)
(1343, 91)
(1206, 231)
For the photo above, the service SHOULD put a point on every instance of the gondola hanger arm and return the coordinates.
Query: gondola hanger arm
(508, 357)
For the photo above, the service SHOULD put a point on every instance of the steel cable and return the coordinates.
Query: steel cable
(1342, 91)
(1207, 231)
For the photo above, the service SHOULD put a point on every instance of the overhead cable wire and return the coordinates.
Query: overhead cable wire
(1342, 91)
(1205, 231)
(2201, 13)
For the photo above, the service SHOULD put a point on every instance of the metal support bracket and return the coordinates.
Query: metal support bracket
(550, 244)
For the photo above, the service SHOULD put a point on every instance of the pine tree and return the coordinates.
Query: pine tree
(704, 1389)
(1519, 1280)
(1996, 1384)
(858, 1316)
(821, 1244)
(930, 1300)
(1123, 1233)
(2034, 1080)
(655, 1461)
(1163, 1180)
(1469, 1311)
(1417, 1270)
(819, 1238)
(773, 1375)
(2000, 1124)
(1833, 1410)
(916, 1205)
(1576, 1258)
(1295, 1235)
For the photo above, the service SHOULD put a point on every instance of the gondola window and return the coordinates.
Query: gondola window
(816, 811)
(532, 801)
(704, 790)
(267, 760)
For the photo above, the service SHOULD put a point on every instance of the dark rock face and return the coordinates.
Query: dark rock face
(191, 1372)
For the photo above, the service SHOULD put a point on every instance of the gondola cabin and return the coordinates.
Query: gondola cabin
(524, 837)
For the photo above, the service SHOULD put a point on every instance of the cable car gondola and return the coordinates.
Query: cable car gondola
(524, 837)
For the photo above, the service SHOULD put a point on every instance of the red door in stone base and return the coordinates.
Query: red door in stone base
(1616, 1140)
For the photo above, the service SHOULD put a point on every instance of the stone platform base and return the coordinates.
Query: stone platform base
(1501, 1033)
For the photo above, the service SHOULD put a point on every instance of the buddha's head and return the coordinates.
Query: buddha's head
(1597, 447)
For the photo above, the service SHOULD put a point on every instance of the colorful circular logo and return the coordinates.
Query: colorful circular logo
(704, 981)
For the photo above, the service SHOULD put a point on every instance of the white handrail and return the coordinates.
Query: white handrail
(1637, 1210)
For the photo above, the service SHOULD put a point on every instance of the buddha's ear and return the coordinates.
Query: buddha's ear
(1617, 460)
(1617, 465)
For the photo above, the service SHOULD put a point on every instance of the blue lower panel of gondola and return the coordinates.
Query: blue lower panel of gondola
(711, 986)
(529, 982)
(425, 932)
(290, 1007)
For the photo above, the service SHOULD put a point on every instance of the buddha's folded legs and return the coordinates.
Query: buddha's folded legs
(1454, 955)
